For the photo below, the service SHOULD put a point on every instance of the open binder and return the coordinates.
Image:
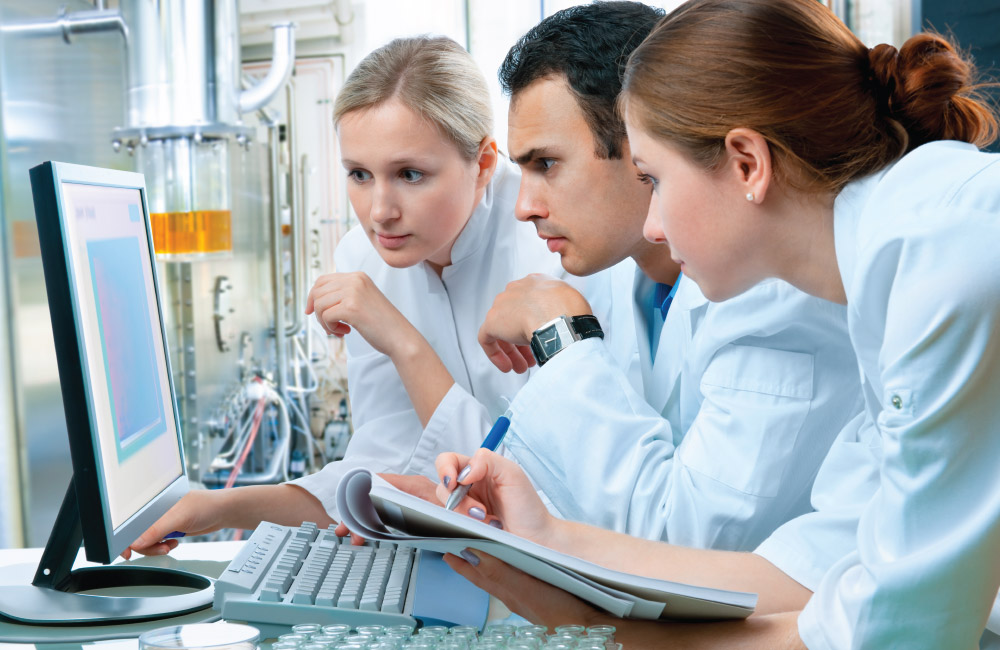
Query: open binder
(372, 508)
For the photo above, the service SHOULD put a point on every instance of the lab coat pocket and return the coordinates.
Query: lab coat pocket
(755, 402)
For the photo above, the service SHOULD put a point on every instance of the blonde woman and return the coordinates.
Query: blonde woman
(436, 242)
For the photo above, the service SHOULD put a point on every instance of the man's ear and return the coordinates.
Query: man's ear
(749, 161)
(487, 161)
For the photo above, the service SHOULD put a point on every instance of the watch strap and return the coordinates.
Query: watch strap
(587, 326)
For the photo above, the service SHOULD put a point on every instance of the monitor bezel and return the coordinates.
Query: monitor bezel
(102, 542)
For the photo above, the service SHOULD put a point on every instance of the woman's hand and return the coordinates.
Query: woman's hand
(500, 492)
(345, 301)
(342, 301)
(537, 601)
(197, 513)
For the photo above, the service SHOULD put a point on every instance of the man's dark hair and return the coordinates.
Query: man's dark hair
(590, 45)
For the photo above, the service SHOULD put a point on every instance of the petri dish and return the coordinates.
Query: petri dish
(201, 636)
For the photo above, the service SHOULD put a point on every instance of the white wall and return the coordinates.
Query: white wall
(495, 27)
(11, 530)
(487, 28)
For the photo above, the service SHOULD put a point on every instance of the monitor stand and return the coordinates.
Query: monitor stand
(54, 596)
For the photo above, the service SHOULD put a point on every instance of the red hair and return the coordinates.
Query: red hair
(831, 109)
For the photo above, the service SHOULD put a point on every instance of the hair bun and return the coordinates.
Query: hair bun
(927, 86)
(883, 60)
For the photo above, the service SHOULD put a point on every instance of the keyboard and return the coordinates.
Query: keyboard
(286, 575)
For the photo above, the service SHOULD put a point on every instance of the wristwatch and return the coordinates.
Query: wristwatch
(553, 337)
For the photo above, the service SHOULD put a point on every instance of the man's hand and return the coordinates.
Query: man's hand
(524, 306)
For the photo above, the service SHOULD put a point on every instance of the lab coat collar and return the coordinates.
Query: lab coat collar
(688, 296)
(476, 233)
(846, 210)
(660, 376)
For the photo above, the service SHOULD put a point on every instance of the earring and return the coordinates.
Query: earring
(750, 196)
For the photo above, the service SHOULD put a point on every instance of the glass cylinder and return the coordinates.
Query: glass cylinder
(187, 183)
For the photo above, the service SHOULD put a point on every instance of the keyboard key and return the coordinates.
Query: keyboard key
(349, 598)
(270, 594)
(393, 601)
(302, 598)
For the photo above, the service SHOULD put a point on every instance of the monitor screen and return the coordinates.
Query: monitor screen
(123, 349)
(111, 348)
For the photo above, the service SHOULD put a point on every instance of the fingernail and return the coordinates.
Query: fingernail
(464, 473)
(469, 557)
(477, 513)
(496, 524)
(447, 481)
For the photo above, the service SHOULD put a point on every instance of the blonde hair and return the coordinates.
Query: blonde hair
(432, 76)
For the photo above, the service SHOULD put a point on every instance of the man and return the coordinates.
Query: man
(704, 427)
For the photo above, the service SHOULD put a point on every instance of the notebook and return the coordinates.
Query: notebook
(374, 509)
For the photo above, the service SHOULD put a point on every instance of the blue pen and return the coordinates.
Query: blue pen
(174, 535)
(492, 441)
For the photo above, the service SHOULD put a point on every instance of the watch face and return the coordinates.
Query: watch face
(548, 340)
(551, 338)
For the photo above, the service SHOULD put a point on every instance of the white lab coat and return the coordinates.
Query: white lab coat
(717, 442)
(917, 249)
(492, 250)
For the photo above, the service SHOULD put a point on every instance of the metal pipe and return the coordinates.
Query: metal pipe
(298, 220)
(304, 249)
(171, 64)
(228, 64)
(69, 24)
(277, 279)
(306, 257)
(282, 63)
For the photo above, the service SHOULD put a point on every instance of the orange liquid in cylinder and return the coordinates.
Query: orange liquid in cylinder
(187, 233)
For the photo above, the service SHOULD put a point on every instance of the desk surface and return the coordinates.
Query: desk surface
(212, 551)
(208, 558)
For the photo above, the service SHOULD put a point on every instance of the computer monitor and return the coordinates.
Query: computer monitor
(118, 393)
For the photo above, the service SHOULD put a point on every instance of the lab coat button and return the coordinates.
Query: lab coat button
(897, 401)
